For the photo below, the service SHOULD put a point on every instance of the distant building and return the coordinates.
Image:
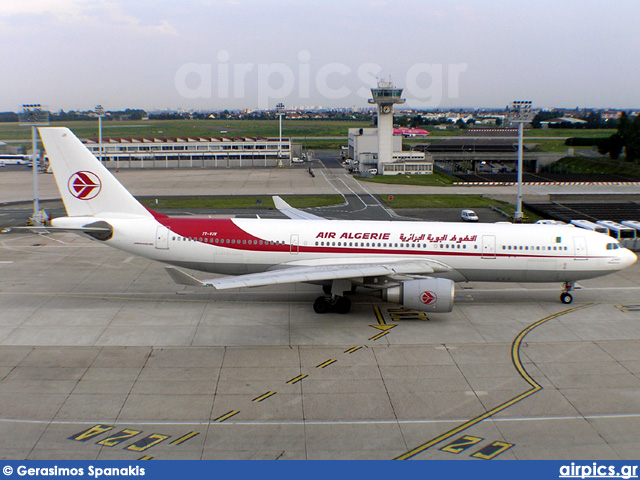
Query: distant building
(378, 148)
(185, 152)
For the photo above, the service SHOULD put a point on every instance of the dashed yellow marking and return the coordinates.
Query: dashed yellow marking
(378, 336)
(264, 396)
(628, 308)
(515, 357)
(146, 457)
(327, 363)
(353, 349)
(295, 380)
(226, 416)
(184, 438)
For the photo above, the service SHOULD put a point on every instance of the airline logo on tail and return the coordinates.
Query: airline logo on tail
(85, 185)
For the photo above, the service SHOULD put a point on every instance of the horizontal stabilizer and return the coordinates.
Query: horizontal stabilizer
(89, 229)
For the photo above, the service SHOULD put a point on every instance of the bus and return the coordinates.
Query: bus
(618, 231)
(587, 225)
(633, 224)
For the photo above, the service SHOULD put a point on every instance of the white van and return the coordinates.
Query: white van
(468, 216)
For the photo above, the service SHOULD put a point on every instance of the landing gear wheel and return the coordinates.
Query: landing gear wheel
(321, 305)
(343, 305)
(566, 298)
(326, 289)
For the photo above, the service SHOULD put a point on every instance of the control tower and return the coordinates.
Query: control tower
(385, 95)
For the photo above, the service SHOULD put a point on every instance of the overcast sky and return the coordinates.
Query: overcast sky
(217, 54)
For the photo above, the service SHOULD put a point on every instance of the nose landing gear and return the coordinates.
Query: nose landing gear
(565, 296)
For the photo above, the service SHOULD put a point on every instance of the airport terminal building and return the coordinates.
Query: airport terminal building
(189, 152)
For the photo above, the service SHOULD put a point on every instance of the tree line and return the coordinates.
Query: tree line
(626, 140)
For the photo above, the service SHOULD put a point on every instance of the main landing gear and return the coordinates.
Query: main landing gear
(328, 303)
(565, 296)
(334, 299)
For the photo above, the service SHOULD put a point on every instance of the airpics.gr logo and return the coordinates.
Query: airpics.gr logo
(428, 298)
(84, 185)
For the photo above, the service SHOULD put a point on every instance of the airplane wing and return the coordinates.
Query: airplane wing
(314, 273)
(293, 213)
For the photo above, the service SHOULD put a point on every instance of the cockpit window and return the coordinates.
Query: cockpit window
(613, 246)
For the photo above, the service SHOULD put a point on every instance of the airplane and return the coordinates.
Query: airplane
(410, 132)
(415, 264)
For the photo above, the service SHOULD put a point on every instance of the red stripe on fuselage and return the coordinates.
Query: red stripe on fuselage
(201, 230)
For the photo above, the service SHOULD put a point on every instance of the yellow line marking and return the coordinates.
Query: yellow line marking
(353, 349)
(226, 416)
(327, 363)
(264, 396)
(515, 357)
(384, 328)
(296, 379)
(380, 335)
(146, 457)
(184, 438)
(379, 317)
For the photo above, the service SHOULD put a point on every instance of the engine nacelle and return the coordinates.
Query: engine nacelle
(427, 295)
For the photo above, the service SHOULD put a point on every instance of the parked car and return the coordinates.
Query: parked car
(468, 216)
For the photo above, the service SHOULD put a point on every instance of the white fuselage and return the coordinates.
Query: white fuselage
(475, 252)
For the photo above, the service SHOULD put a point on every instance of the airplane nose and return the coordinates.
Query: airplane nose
(628, 258)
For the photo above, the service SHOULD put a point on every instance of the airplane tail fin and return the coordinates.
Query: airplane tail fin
(86, 186)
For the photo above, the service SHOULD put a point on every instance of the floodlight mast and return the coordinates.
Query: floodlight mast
(100, 113)
(33, 115)
(280, 111)
(520, 112)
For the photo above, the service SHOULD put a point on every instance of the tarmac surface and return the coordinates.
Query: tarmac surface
(102, 356)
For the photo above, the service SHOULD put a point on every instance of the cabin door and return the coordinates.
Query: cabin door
(295, 243)
(488, 246)
(579, 248)
(162, 238)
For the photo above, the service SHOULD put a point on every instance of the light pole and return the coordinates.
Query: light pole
(520, 112)
(280, 113)
(100, 112)
(33, 115)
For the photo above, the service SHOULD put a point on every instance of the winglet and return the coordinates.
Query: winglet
(280, 203)
(291, 212)
(182, 278)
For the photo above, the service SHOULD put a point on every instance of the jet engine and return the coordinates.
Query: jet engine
(426, 295)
